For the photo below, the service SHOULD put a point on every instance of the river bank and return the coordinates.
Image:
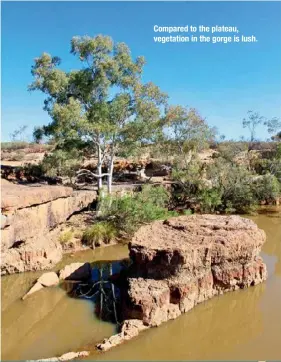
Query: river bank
(242, 324)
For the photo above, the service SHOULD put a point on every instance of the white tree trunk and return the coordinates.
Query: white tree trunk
(99, 169)
(110, 173)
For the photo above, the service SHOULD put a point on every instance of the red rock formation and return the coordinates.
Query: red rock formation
(183, 261)
(30, 215)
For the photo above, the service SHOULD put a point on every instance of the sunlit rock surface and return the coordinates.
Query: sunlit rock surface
(183, 261)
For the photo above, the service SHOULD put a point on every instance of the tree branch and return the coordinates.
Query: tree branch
(90, 173)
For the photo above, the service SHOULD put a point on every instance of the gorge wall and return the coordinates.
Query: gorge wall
(29, 217)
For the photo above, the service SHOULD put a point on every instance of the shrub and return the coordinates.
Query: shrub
(102, 231)
(12, 146)
(230, 149)
(61, 163)
(210, 199)
(128, 212)
(17, 156)
(235, 183)
(222, 186)
(65, 236)
(26, 146)
(267, 188)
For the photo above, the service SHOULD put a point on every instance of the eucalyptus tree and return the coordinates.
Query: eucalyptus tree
(252, 121)
(186, 132)
(104, 106)
(274, 128)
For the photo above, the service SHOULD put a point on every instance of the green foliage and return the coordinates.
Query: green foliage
(131, 210)
(61, 163)
(253, 120)
(33, 172)
(231, 149)
(102, 231)
(185, 133)
(65, 236)
(267, 188)
(210, 200)
(273, 125)
(104, 104)
(234, 182)
(270, 165)
(224, 187)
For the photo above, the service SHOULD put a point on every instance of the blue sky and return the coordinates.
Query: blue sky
(223, 81)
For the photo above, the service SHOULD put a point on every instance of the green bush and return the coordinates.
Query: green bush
(230, 149)
(61, 163)
(128, 212)
(267, 188)
(101, 232)
(224, 186)
(235, 184)
(65, 236)
(26, 146)
(210, 199)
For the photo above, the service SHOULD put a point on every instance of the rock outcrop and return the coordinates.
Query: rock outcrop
(65, 357)
(76, 272)
(73, 272)
(30, 216)
(36, 287)
(49, 279)
(40, 253)
(130, 329)
(181, 262)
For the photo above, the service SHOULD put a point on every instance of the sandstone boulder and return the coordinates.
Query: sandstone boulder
(66, 356)
(36, 287)
(36, 254)
(194, 243)
(49, 279)
(129, 329)
(31, 216)
(76, 271)
(186, 260)
(4, 221)
(29, 221)
(16, 196)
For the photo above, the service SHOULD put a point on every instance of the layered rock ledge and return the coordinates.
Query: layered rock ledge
(181, 262)
(30, 215)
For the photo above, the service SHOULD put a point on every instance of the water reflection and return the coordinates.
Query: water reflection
(103, 289)
(49, 322)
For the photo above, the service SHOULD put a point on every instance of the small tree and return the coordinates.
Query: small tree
(273, 126)
(62, 164)
(104, 105)
(19, 134)
(185, 132)
(253, 120)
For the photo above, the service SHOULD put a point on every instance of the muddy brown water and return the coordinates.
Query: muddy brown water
(242, 325)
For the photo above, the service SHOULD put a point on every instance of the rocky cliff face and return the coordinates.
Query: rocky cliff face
(183, 261)
(29, 217)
